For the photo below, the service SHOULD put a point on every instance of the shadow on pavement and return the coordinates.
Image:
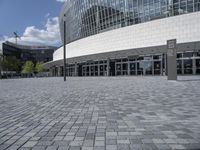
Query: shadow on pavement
(185, 80)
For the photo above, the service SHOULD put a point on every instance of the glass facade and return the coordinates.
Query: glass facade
(188, 63)
(88, 17)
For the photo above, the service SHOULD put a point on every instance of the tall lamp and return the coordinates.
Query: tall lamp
(64, 49)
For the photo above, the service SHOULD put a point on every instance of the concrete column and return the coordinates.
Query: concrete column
(82, 70)
(161, 65)
(108, 67)
(51, 72)
(89, 69)
(152, 62)
(61, 71)
(182, 67)
(76, 69)
(194, 67)
(165, 64)
(136, 68)
(144, 69)
(58, 71)
(98, 69)
(115, 69)
(54, 71)
(128, 68)
(67, 70)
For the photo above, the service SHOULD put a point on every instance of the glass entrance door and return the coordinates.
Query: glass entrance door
(157, 67)
(121, 68)
(118, 69)
(132, 68)
(140, 68)
(125, 68)
(187, 63)
(147, 67)
(179, 66)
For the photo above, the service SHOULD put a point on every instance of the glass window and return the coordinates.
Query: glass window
(89, 17)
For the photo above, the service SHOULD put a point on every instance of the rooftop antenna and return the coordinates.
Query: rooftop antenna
(16, 37)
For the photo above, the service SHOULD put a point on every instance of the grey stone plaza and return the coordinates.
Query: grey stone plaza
(100, 113)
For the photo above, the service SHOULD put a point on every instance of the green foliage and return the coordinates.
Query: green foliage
(28, 67)
(39, 67)
(10, 63)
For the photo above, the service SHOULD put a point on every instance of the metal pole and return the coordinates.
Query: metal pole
(64, 69)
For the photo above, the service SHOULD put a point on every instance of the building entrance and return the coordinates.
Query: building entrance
(187, 63)
(145, 65)
(98, 68)
(188, 66)
(157, 67)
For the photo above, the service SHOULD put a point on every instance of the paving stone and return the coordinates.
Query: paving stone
(99, 143)
(123, 142)
(13, 147)
(174, 146)
(76, 143)
(88, 143)
(68, 138)
(63, 148)
(123, 147)
(39, 147)
(45, 143)
(61, 143)
(111, 147)
(146, 141)
(74, 148)
(135, 146)
(100, 113)
(30, 144)
(111, 142)
(52, 148)
(87, 148)
(163, 146)
(99, 148)
(158, 141)
(4, 146)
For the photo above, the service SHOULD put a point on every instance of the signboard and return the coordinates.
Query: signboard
(171, 46)
(171, 60)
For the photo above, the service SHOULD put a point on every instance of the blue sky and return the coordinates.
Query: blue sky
(36, 21)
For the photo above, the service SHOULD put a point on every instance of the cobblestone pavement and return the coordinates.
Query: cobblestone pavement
(116, 113)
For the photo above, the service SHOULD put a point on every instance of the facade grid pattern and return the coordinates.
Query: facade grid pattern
(88, 17)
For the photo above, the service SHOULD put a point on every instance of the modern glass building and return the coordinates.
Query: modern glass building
(128, 37)
(28, 53)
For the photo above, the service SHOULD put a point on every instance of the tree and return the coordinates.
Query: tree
(28, 67)
(39, 67)
(10, 63)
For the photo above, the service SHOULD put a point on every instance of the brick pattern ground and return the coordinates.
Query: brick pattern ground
(118, 113)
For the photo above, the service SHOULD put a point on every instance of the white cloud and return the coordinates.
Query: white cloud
(61, 0)
(47, 15)
(50, 35)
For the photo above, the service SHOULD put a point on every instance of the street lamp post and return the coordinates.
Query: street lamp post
(64, 48)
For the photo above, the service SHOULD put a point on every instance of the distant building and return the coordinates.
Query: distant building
(1, 52)
(28, 53)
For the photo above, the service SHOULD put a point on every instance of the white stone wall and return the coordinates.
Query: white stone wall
(185, 28)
